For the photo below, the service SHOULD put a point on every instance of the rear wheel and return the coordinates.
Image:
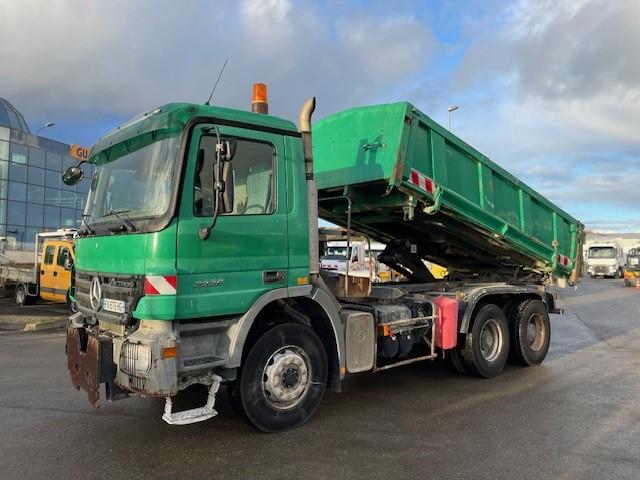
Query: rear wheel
(455, 359)
(283, 378)
(21, 295)
(487, 346)
(530, 331)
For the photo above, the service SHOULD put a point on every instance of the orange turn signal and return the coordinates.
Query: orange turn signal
(169, 352)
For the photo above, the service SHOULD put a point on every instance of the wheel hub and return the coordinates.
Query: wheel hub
(286, 378)
(490, 340)
(535, 332)
(290, 377)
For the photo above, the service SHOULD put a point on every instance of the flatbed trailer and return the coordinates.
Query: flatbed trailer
(199, 263)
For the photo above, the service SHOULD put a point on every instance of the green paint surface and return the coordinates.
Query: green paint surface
(381, 144)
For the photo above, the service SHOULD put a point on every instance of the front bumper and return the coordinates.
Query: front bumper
(125, 365)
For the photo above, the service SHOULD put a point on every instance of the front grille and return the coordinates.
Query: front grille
(601, 269)
(127, 288)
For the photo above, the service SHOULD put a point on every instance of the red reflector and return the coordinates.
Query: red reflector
(422, 182)
(149, 289)
(171, 280)
(428, 185)
(160, 284)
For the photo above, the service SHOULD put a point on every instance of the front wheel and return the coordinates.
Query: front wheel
(283, 378)
(487, 347)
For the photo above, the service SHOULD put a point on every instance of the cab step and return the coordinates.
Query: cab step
(193, 415)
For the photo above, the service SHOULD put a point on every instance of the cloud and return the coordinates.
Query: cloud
(119, 58)
(551, 91)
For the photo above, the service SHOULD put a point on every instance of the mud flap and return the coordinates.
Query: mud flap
(90, 363)
(83, 361)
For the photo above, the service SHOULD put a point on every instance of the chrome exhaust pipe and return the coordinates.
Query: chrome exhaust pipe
(312, 192)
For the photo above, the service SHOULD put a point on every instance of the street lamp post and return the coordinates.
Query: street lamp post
(452, 108)
(46, 125)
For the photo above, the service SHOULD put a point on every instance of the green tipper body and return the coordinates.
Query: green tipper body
(410, 178)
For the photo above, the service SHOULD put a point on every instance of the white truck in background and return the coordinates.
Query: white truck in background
(605, 259)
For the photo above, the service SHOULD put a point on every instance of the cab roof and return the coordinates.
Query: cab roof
(175, 116)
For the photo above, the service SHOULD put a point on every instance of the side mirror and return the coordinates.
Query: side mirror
(72, 175)
(68, 263)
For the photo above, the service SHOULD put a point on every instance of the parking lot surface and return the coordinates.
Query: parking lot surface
(577, 416)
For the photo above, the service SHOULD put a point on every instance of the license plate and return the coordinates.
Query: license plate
(116, 306)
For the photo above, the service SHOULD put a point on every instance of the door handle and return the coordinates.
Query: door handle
(55, 274)
(273, 276)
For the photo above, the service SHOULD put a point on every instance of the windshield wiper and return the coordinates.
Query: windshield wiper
(130, 227)
(89, 230)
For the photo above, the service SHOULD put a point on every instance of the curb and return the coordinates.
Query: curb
(31, 325)
(46, 325)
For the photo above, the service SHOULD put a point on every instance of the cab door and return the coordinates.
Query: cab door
(48, 272)
(246, 254)
(62, 273)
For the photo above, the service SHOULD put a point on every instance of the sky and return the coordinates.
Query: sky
(550, 90)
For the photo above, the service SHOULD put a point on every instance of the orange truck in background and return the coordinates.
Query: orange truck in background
(49, 278)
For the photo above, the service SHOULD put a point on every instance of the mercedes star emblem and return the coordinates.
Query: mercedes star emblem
(95, 294)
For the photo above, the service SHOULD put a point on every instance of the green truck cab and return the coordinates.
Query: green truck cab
(198, 260)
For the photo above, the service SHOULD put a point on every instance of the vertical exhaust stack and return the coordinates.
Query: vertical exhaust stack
(259, 102)
(312, 192)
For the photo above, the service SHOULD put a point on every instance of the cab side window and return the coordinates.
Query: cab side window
(63, 254)
(253, 173)
(48, 254)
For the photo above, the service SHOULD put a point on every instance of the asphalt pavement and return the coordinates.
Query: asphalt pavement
(41, 315)
(577, 416)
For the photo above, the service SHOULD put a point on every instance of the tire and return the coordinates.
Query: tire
(627, 283)
(530, 332)
(233, 396)
(283, 379)
(620, 273)
(487, 346)
(455, 359)
(21, 295)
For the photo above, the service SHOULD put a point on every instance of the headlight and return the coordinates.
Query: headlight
(612, 268)
(135, 358)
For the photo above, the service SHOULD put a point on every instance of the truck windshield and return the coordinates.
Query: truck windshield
(602, 252)
(634, 261)
(135, 185)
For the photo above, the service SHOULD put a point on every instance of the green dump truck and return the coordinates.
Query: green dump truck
(198, 259)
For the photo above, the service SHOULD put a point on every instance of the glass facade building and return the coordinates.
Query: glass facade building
(33, 198)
